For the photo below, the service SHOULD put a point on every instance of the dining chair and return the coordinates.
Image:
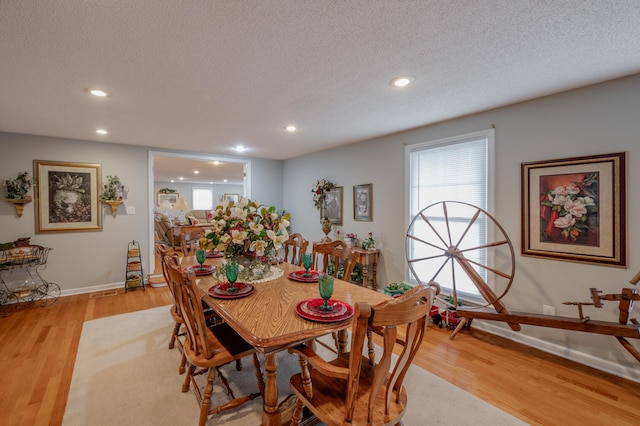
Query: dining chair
(209, 348)
(294, 248)
(334, 258)
(189, 239)
(354, 388)
(176, 337)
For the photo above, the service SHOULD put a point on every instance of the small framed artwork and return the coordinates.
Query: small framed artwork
(363, 202)
(171, 197)
(231, 197)
(331, 207)
(67, 196)
(575, 209)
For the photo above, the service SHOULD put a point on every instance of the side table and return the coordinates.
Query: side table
(366, 258)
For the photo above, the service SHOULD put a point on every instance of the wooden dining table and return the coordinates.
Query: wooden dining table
(267, 319)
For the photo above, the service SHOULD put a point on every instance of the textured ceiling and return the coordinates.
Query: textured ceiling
(203, 76)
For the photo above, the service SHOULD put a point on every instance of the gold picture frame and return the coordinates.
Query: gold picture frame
(574, 209)
(67, 196)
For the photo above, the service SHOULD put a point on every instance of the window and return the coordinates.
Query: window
(453, 169)
(202, 198)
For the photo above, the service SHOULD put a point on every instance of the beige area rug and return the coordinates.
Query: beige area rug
(125, 375)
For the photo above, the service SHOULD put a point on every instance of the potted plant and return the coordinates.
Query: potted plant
(112, 193)
(112, 190)
(16, 191)
(17, 188)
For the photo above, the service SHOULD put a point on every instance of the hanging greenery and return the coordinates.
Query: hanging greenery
(319, 191)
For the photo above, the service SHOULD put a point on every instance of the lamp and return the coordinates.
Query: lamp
(166, 205)
(181, 205)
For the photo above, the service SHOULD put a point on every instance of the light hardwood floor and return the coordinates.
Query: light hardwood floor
(38, 349)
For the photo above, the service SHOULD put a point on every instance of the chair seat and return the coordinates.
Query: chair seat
(329, 395)
(228, 344)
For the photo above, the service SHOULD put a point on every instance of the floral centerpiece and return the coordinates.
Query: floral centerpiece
(249, 234)
(319, 191)
(570, 211)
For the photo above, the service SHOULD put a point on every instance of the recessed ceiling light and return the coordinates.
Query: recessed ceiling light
(181, 178)
(402, 81)
(291, 128)
(172, 181)
(101, 132)
(240, 148)
(97, 92)
(216, 163)
(211, 183)
(196, 171)
(224, 180)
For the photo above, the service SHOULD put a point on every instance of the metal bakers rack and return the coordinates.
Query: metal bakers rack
(20, 279)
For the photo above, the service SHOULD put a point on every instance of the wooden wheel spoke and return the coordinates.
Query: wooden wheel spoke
(433, 278)
(487, 268)
(426, 242)
(425, 258)
(483, 246)
(434, 229)
(469, 225)
(446, 220)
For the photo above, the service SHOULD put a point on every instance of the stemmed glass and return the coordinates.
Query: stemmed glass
(306, 262)
(232, 275)
(201, 256)
(325, 285)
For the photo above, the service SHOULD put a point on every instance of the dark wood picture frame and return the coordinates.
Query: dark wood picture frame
(363, 202)
(67, 196)
(331, 207)
(574, 209)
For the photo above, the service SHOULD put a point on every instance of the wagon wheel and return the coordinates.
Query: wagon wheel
(445, 244)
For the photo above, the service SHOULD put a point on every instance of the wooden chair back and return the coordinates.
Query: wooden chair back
(334, 258)
(190, 307)
(294, 248)
(373, 392)
(189, 239)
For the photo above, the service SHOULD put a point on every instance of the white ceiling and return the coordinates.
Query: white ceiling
(202, 76)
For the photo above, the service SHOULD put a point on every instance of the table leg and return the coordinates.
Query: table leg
(374, 281)
(365, 273)
(270, 412)
(343, 337)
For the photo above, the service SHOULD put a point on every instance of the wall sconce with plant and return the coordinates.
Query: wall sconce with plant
(17, 189)
(113, 193)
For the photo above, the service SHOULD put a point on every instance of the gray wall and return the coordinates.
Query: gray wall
(90, 261)
(594, 120)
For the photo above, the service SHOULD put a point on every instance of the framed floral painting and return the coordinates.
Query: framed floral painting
(575, 209)
(363, 202)
(67, 196)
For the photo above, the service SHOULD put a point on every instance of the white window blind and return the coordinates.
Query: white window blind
(453, 169)
(202, 198)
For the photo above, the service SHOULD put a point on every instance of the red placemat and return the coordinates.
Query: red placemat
(299, 276)
(221, 291)
(310, 309)
(206, 269)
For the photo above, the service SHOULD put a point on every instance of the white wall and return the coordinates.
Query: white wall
(82, 261)
(595, 120)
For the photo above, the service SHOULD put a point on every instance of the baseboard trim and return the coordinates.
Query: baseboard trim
(561, 351)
